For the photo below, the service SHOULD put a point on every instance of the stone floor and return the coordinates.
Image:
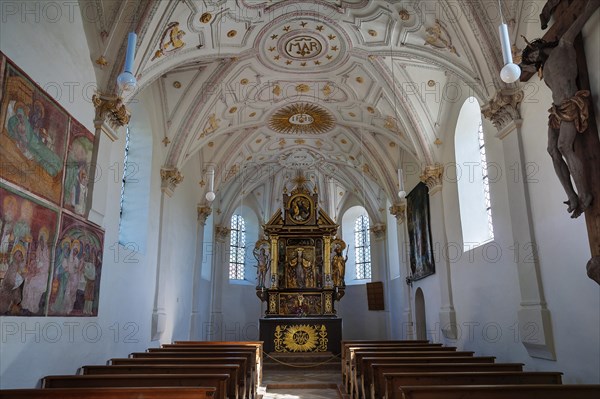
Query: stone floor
(300, 383)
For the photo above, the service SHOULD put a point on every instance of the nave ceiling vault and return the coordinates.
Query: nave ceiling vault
(345, 89)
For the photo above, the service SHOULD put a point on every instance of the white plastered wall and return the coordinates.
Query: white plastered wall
(54, 53)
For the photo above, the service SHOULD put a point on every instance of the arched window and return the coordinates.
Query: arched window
(237, 248)
(472, 177)
(362, 246)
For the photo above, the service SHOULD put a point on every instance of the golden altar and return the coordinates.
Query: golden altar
(306, 269)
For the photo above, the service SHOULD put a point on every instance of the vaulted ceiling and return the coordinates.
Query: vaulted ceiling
(344, 90)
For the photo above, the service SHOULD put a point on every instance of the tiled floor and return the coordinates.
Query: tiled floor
(300, 384)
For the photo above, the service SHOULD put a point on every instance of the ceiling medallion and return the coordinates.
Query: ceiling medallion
(302, 88)
(359, 79)
(301, 118)
(431, 83)
(231, 33)
(177, 84)
(404, 15)
(372, 32)
(303, 45)
(206, 17)
(371, 110)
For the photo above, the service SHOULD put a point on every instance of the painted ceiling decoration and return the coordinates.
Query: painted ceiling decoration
(342, 89)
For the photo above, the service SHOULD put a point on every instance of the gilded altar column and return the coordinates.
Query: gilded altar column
(328, 283)
(274, 262)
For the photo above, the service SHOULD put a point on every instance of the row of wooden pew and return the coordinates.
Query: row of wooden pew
(422, 370)
(182, 370)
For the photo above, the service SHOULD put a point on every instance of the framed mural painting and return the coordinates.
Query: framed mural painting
(419, 232)
(27, 236)
(77, 269)
(33, 136)
(79, 158)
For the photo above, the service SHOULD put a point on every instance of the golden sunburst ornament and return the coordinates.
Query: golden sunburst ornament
(300, 338)
(301, 118)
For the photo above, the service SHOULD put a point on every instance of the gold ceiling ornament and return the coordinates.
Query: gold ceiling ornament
(101, 61)
(438, 37)
(206, 17)
(404, 15)
(277, 90)
(300, 141)
(258, 141)
(319, 143)
(360, 79)
(431, 83)
(301, 118)
(232, 110)
(391, 124)
(252, 114)
(166, 141)
(352, 114)
(371, 110)
(231, 33)
(219, 211)
(249, 158)
(372, 32)
(302, 88)
(392, 144)
(177, 84)
(170, 40)
(437, 141)
(244, 81)
(112, 109)
(327, 89)
(211, 125)
(343, 141)
(221, 232)
(211, 143)
(282, 142)
(202, 183)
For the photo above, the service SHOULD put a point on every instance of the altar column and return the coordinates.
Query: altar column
(328, 283)
(274, 261)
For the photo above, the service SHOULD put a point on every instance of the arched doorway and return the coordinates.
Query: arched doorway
(420, 314)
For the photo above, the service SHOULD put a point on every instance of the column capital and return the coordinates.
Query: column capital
(170, 178)
(378, 231)
(399, 211)
(432, 176)
(504, 107)
(111, 114)
(221, 233)
(203, 213)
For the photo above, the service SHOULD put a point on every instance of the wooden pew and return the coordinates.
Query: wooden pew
(110, 393)
(374, 381)
(248, 354)
(241, 361)
(258, 345)
(218, 381)
(370, 343)
(351, 350)
(500, 392)
(395, 381)
(235, 388)
(357, 355)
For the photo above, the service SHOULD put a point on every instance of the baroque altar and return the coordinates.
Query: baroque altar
(305, 269)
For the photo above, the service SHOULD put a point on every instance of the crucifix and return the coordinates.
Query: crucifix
(573, 143)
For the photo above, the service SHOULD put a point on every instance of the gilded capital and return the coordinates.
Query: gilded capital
(378, 231)
(170, 178)
(504, 107)
(432, 176)
(221, 233)
(399, 211)
(203, 214)
(110, 109)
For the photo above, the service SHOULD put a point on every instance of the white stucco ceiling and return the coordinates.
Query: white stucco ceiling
(341, 89)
